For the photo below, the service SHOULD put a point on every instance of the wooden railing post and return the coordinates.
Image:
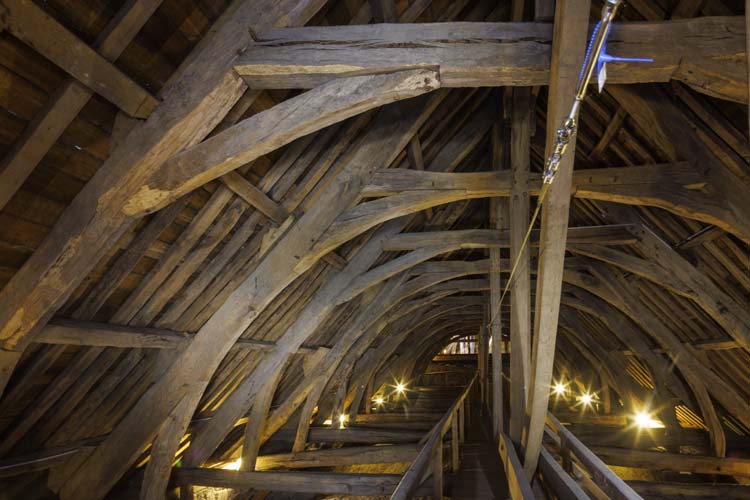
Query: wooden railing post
(432, 450)
(462, 423)
(455, 458)
(567, 460)
(437, 471)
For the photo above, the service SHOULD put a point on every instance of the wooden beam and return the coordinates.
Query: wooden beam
(520, 293)
(586, 183)
(39, 30)
(499, 220)
(565, 487)
(494, 238)
(338, 457)
(669, 269)
(696, 464)
(254, 196)
(394, 126)
(629, 436)
(364, 328)
(67, 101)
(690, 490)
(207, 90)
(605, 478)
(500, 54)
(364, 435)
(94, 221)
(83, 333)
(163, 451)
(672, 187)
(268, 130)
(314, 313)
(323, 483)
(701, 379)
(687, 9)
(609, 133)
(674, 133)
(127, 260)
(391, 268)
(518, 484)
(568, 46)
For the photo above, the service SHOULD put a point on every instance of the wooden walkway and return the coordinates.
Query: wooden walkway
(481, 474)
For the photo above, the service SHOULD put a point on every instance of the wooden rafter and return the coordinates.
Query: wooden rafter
(67, 102)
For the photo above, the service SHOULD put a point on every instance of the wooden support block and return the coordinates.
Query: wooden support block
(254, 196)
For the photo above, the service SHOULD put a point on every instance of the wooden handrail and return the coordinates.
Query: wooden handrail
(518, 484)
(602, 475)
(413, 475)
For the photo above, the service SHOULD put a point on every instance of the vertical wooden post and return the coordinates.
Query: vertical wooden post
(568, 49)
(498, 220)
(567, 460)
(455, 457)
(186, 491)
(482, 362)
(462, 422)
(437, 471)
(520, 292)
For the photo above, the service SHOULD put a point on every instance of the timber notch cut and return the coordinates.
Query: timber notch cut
(307, 249)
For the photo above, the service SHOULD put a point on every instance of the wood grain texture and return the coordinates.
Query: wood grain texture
(696, 52)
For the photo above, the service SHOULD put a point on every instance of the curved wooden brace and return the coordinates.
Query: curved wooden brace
(731, 400)
(667, 268)
(700, 379)
(682, 188)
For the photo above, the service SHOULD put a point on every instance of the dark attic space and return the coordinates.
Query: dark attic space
(374, 249)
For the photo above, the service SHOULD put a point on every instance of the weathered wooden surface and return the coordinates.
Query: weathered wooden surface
(663, 310)
(568, 47)
(51, 121)
(31, 24)
(267, 131)
(500, 54)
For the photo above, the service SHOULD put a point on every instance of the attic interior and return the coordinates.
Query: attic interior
(313, 249)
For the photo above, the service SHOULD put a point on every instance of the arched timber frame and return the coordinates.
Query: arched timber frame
(163, 158)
